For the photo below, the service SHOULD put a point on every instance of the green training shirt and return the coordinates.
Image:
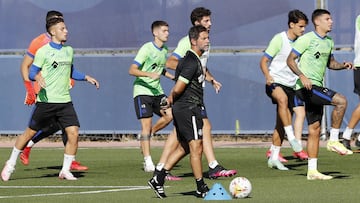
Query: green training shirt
(314, 52)
(149, 58)
(184, 45)
(55, 63)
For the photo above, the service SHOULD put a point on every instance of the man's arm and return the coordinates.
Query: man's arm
(30, 96)
(210, 78)
(264, 61)
(291, 62)
(176, 91)
(335, 65)
(135, 71)
(172, 62)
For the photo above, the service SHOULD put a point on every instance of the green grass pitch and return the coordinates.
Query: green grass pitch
(115, 175)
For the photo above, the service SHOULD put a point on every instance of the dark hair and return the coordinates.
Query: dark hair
(195, 31)
(295, 16)
(158, 23)
(198, 13)
(51, 22)
(53, 14)
(318, 12)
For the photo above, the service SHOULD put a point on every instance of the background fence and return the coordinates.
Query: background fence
(106, 35)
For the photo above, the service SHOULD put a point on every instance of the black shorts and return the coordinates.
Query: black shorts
(357, 80)
(146, 106)
(45, 114)
(293, 100)
(315, 99)
(188, 121)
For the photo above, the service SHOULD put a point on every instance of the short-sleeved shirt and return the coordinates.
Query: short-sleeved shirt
(278, 50)
(314, 52)
(190, 71)
(149, 58)
(184, 45)
(55, 62)
(37, 43)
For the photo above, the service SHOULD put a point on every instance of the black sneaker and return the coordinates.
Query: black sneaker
(220, 171)
(357, 142)
(157, 187)
(202, 191)
(346, 144)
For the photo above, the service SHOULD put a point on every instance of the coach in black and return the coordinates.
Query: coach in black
(187, 99)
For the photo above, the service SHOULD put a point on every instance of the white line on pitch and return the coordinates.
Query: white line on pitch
(74, 193)
(79, 187)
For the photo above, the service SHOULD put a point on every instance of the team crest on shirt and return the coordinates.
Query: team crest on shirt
(54, 64)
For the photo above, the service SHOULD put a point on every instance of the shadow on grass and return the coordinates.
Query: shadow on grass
(334, 174)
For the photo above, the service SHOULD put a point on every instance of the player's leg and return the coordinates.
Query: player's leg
(355, 117)
(69, 121)
(158, 180)
(314, 114)
(20, 144)
(196, 148)
(163, 121)
(164, 114)
(281, 95)
(277, 139)
(313, 151)
(170, 146)
(297, 106)
(144, 112)
(145, 144)
(339, 102)
(215, 169)
(69, 152)
(50, 129)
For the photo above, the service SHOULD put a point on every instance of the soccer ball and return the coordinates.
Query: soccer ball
(240, 187)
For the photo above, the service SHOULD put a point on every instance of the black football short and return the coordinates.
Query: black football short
(44, 114)
(188, 121)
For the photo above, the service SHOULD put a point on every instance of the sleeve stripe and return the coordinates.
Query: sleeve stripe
(181, 78)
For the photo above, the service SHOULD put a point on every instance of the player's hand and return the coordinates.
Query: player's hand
(92, 81)
(164, 104)
(30, 96)
(306, 82)
(217, 85)
(154, 76)
(269, 80)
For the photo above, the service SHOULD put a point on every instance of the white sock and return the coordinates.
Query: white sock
(289, 132)
(148, 160)
(312, 164)
(347, 133)
(160, 166)
(213, 164)
(272, 147)
(334, 134)
(275, 153)
(67, 162)
(14, 155)
(30, 144)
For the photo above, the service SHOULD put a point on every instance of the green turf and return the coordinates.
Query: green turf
(122, 167)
